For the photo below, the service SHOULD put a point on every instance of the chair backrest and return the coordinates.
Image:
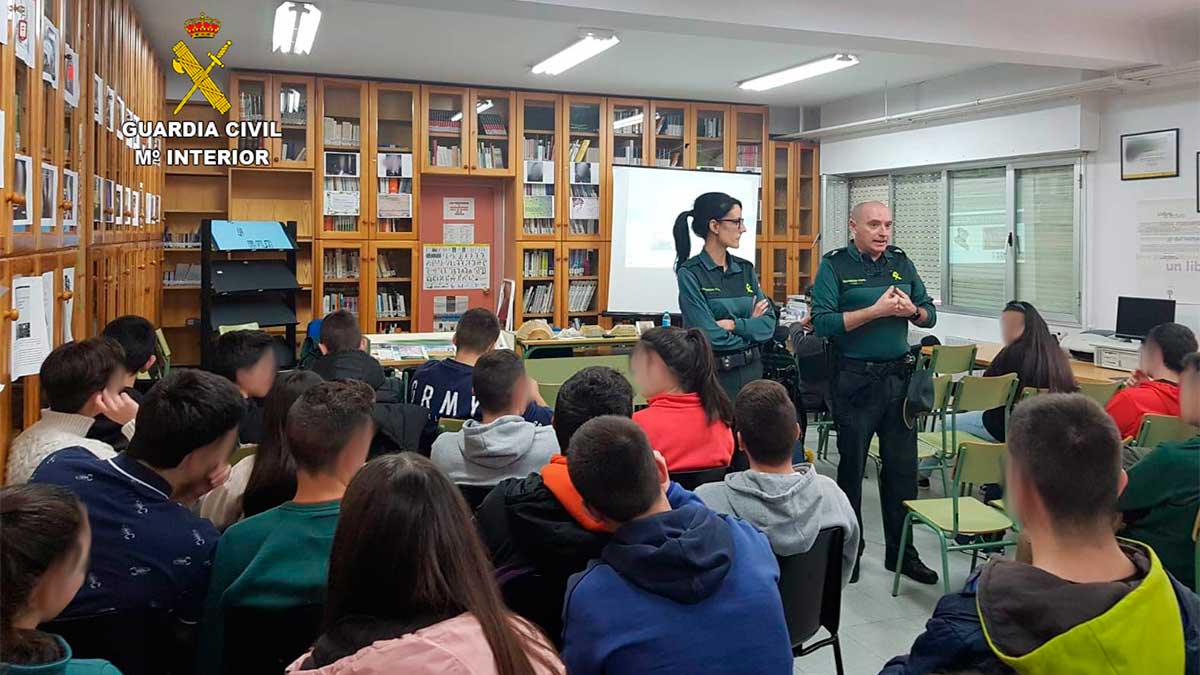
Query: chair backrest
(980, 463)
(242, 453)
(690, 480)
(551, 373)
(253, 325)
(1100, 392)
(137, 642)
(984, 393)
(1030, 392)
(450, 424)
(953, 359)
(1157, 429)
(164, 352)
(475, 494)
(267, 641)
(810, 585)
(536, 596)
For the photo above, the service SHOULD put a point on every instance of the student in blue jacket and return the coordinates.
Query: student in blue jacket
(679, 588)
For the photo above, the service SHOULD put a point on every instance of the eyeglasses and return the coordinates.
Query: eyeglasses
(738, 222)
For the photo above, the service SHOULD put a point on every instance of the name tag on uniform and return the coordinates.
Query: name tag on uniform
(853, 282)
(711, 290)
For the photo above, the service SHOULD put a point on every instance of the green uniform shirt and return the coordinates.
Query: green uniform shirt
(848, 281)
(708, 293)
(277, 559)
(1161, 501)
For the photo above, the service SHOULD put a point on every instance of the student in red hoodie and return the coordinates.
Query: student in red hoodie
(689, 417)
(1154, 387)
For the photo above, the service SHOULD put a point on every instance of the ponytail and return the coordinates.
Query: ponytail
(41, 528)
(707, 207)
(689, 356)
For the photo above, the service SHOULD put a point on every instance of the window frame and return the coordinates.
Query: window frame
(1011, 166)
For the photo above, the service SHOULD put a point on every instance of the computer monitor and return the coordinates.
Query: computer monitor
(1136, 316)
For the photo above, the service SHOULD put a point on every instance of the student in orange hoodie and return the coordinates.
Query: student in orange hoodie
(689, 417)
(536, 528)
(1154, 387)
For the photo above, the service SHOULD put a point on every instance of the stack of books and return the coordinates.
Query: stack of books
(390, 305)
(491, 155)
(341, 133)
(492, 124)
(582, 263)
(583, 151)
(293, 107)
(710, 127)
(176, 239)
(539, 299)
(539, 148)
(579, 296)
(749, 157)
(386, 268)
(341, 263)
(184, 275)
(670, 124)
(539, 263)
(332, 302)
(628, 151)
(250, 106)
(294, 150)
(444, 155)
(441, 122)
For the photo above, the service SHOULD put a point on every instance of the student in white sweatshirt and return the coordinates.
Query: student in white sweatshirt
(503, 445)
(80, 380)
(790, 504)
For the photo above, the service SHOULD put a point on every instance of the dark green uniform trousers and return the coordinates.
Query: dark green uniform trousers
(733, 380)
(866, 404)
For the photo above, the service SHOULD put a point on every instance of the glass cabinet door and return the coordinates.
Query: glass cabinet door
(539, 166)
(492, 132)
(342, 173)
(395, 109)
(711, 128)
(341, 277)
(807, 184)
(537, 298)
(668, 135)
(749, 141)
(583, 268)
(252, 104)
(782, 192)
(445, 130)
(294, 99)
(627, 128)
(584, 162)
(392, 266)
(783, 272)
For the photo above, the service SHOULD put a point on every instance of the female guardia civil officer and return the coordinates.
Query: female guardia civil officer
(719, 292)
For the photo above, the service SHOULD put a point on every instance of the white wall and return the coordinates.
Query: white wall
(1110, 217)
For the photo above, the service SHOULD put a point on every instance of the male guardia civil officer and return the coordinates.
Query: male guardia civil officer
(864, 297)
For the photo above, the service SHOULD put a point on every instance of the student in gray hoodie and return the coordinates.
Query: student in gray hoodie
(502, 445)
(790, 504)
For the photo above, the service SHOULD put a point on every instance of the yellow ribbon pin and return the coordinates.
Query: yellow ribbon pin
(896, 275)
(749, 289)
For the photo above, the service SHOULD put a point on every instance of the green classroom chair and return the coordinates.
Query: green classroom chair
(976, 463)
(970, 394)
(1100, 392)
(450, 424)
(553, 372)
(953, 359)
(164, 353)
(242, 453)
(221, 330)
(942, 386)
(1157, 429)
(1030, 392)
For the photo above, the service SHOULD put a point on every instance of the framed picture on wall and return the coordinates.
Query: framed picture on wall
(1150, 154)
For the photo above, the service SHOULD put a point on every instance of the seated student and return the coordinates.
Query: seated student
(78, 382)
(538, 524)
(1089, 602)
(136, 336)
(1154, 386)
(410, 588)
(344, 357)
(689, 415)
(45, 540)
(1032, 352)
(148, 549)
(247, 359)
(790, 504)
(678, 588)
(266, 478)
(1159, 505)
(444, 387)
(503, 445)
(279, 559)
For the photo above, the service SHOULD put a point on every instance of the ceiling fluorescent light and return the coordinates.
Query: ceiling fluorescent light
(591, 44)
(295, 27)
(485, 104)
(803, 71)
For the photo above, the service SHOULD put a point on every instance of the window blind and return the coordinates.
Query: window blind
(835, 212)
(978, 237)
(1045, 239)
(918, 226)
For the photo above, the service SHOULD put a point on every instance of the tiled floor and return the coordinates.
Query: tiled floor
(875, 626)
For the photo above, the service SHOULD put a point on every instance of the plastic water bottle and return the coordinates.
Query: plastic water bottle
(666, 320)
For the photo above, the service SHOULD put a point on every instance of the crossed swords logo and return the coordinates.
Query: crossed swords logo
(185, 63)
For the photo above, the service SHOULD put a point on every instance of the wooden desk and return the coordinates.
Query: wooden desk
(527, 347)
(1084, 372)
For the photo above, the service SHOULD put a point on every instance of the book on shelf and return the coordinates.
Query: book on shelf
(250, 106)
(538, 299)
(670, 123)
(585, 118)
(294, 151)
(539, 263)
(538, 148)
(628, 151)
(332, 302)
(635, 128)
(341, 263)
(491, 155)
(445, 155)
(711, 127)
(184, 274)
(342, 133)
(582, 263)
(579, 295)
(443, 122)
(176, 239)
(390, 305)
(583, 151)
(388, 266)
(749, 156)
(340, 224)
(492, 124)
(668, 157)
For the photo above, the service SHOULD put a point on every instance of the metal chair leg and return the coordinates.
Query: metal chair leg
(945, 560)
(904, 534)
(837, 655)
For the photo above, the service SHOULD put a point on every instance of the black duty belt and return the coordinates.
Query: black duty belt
(733, 360)
(900, 366)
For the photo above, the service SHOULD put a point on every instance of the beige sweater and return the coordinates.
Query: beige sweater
(55, 431)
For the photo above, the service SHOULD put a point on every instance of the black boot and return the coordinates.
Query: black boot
(916, 570)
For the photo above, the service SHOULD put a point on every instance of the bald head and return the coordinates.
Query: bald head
(871, 227)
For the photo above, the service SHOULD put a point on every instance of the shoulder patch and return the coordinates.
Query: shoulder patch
(834, 252)
(897, 249)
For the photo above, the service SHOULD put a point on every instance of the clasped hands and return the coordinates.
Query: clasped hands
(894, 302)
